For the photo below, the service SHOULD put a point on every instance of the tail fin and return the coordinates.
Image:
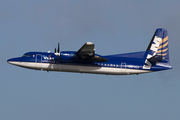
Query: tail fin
(157, 50)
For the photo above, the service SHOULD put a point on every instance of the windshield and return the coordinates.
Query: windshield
(26, 55)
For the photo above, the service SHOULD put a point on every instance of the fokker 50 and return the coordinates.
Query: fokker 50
(155, 58)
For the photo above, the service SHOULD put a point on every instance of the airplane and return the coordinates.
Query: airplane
(155, 58)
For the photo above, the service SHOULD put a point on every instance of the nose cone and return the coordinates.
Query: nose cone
(10, 60)
(13, 60)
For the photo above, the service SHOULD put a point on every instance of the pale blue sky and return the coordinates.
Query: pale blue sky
(114, 26)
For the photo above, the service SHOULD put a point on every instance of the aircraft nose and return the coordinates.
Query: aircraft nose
(12, 60)
(9, 60)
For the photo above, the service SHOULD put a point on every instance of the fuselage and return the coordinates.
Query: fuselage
(120, 64)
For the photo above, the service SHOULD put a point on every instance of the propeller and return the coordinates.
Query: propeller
(57, 53)
(58, 48)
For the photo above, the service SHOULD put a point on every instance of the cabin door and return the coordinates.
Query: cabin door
(38, 60)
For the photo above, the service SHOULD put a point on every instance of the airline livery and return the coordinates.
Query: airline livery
(155, 58)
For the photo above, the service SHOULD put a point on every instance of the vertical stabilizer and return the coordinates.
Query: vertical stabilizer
(157, 50)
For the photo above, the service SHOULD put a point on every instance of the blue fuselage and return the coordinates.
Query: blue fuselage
(131, 63)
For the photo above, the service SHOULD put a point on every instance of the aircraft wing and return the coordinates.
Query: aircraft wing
(86, 50)
(87, 53)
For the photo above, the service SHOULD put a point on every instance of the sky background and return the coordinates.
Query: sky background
(114, 26)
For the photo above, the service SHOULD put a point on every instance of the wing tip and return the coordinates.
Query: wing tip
(89, 43)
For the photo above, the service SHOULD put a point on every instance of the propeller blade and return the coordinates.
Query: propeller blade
(58, 48)
(55, 50)
(57, 53)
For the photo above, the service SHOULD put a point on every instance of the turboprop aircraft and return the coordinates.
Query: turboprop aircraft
(155, 58)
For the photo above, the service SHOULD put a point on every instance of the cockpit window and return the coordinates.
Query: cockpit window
(26, 55)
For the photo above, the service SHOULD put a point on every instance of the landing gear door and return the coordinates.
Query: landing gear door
(38, 60)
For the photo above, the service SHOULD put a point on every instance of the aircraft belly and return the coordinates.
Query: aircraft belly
(95, 69)
(90, 69)
(79, 68)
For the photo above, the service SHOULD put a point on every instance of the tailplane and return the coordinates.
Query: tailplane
(158, 50)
